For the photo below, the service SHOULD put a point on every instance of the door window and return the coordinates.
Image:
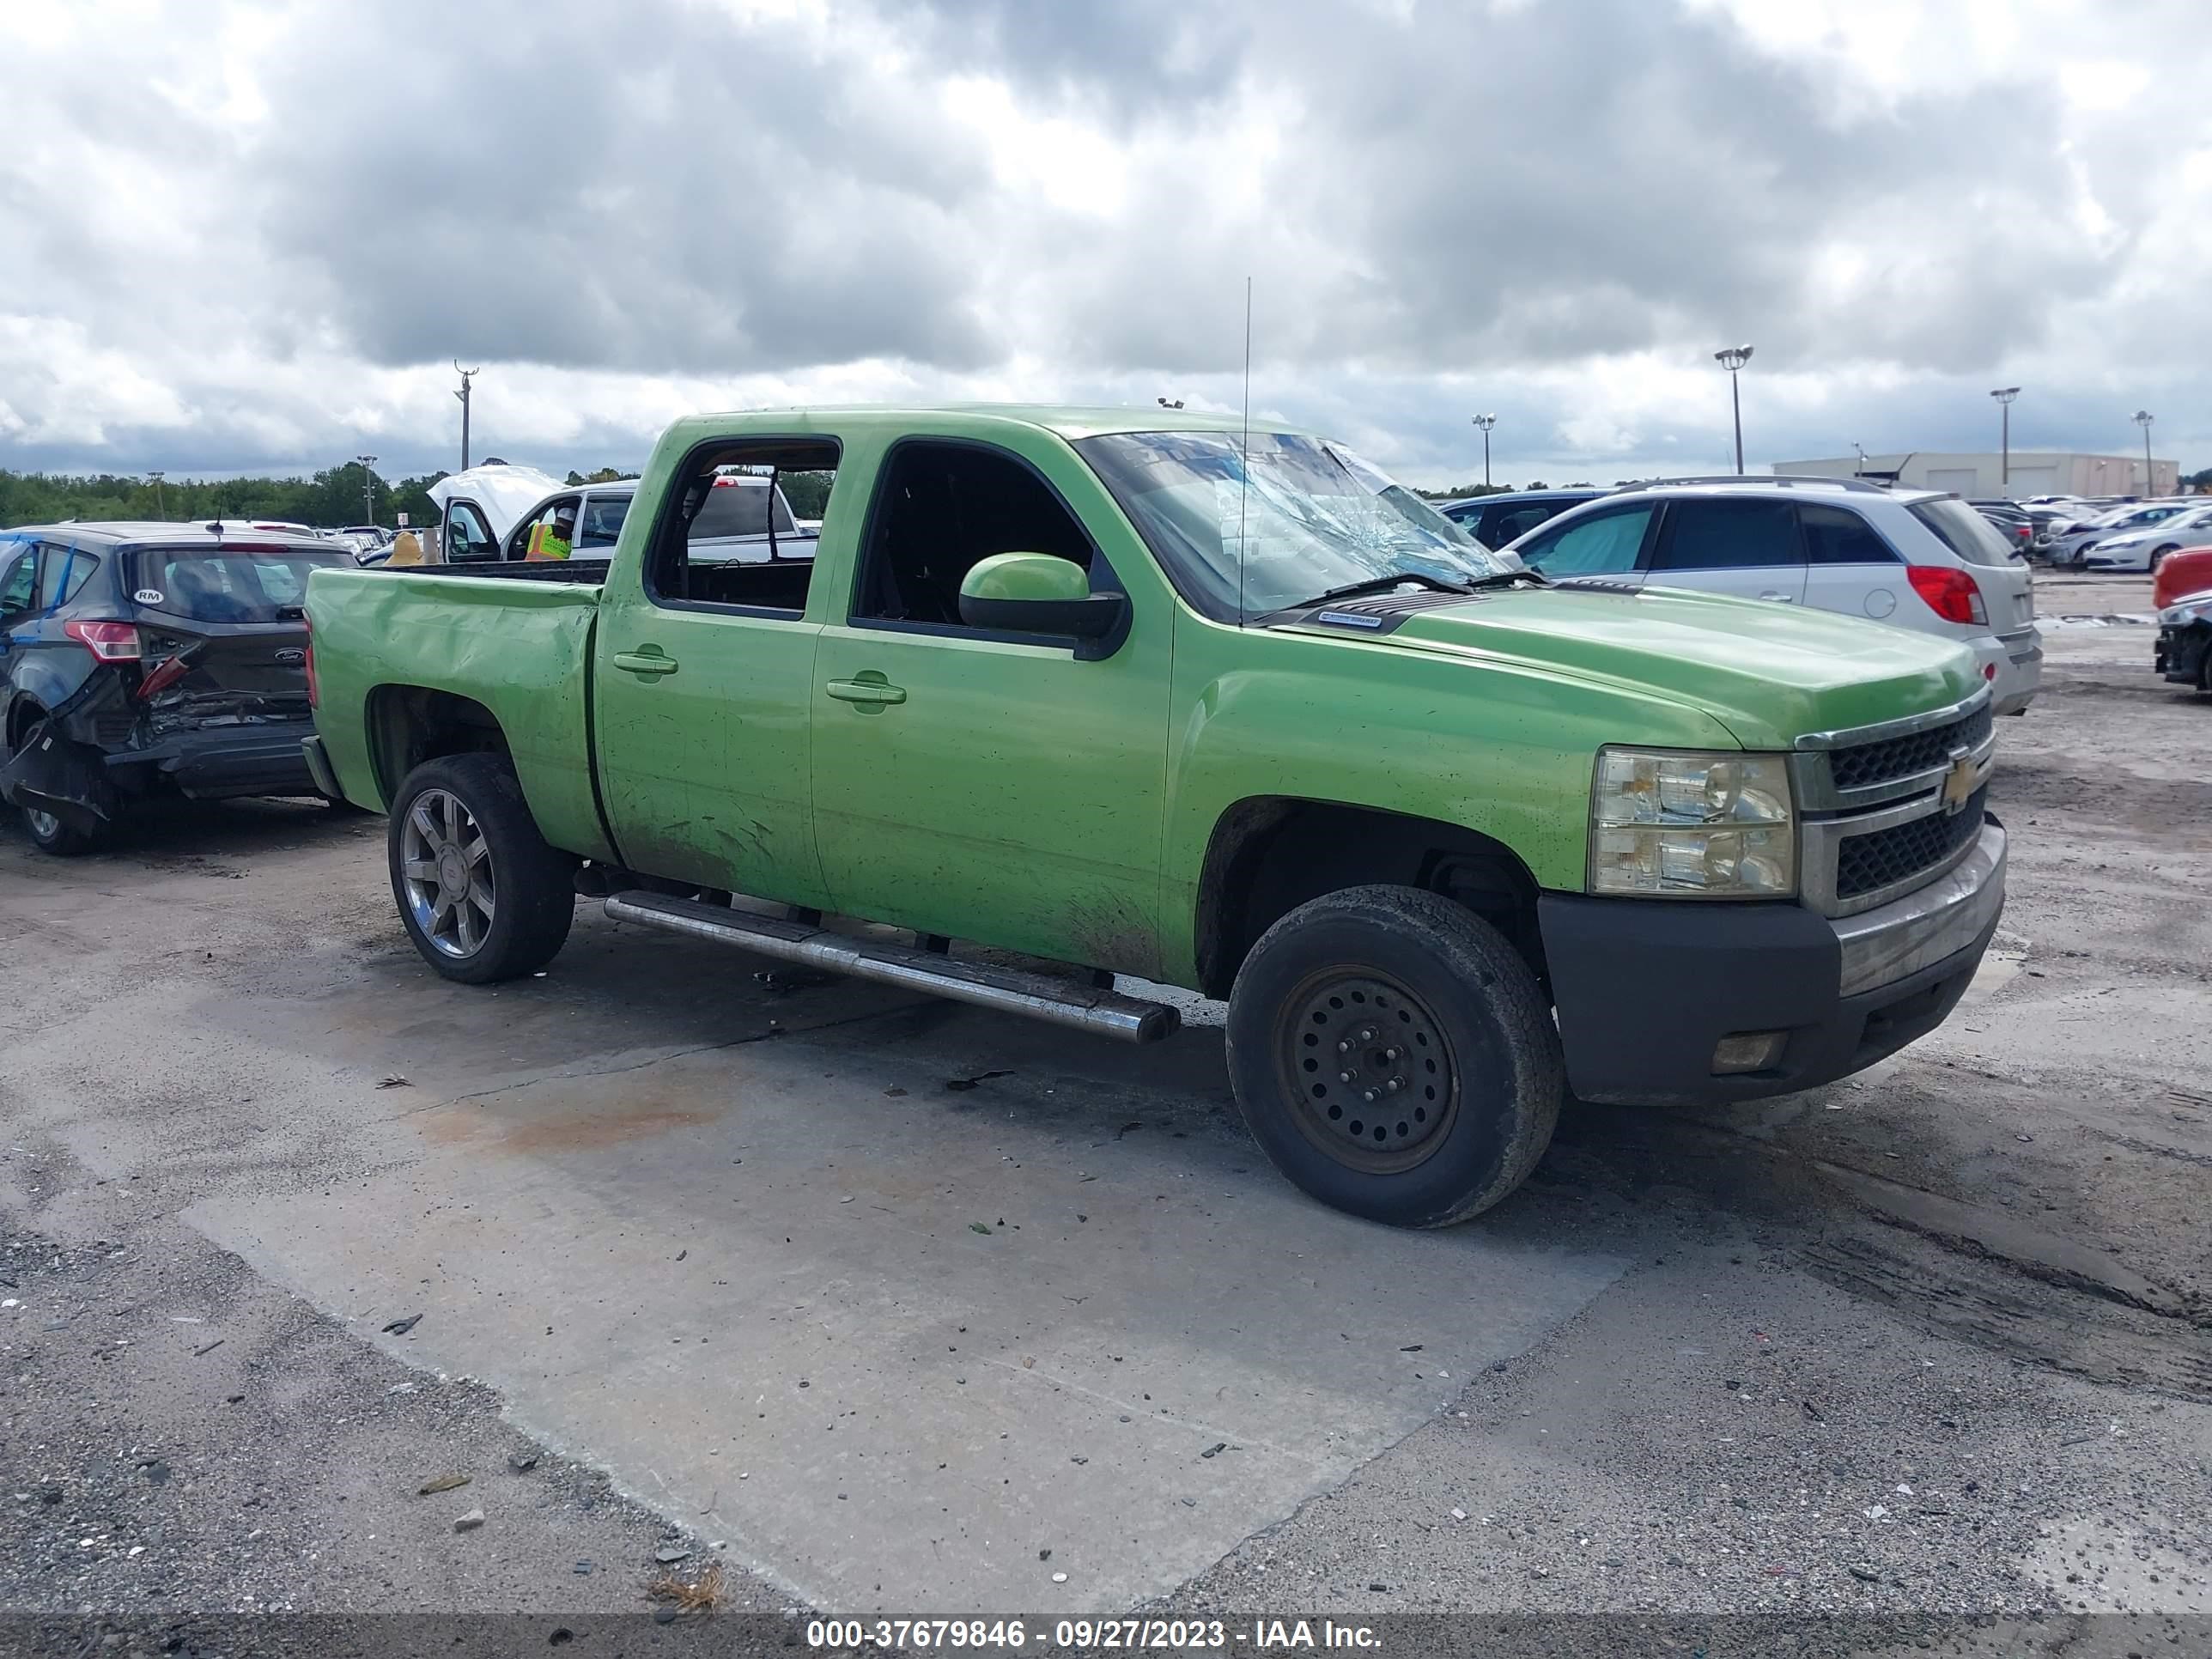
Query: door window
(942, 508)
(1729, 534)
(600, 527)
(468, 537)
(18, 585)
(704, 557)
(549, 533)
(1603, 545)
(1836, 535)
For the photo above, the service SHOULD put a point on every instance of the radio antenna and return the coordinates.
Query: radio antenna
(1244, 454)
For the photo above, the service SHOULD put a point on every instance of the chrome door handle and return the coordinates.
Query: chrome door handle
(865, 690)
(1780, 599)
(645, 662)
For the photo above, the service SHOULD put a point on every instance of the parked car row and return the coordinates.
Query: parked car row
(1918, 559)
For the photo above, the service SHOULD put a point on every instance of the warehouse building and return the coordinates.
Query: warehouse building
(2034, 472)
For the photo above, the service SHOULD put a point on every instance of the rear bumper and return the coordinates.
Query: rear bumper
(217, 762)
(1646, 988)
(2180, 653)
(2013, 666)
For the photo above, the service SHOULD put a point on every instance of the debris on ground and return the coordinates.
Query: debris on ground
(401, 1327)
(470, 1522)
(522, 1463)
(395, 1081)
(668, 1552)
(699, 1595)
(961, 1085)
(438, 1483)
(980, 1227)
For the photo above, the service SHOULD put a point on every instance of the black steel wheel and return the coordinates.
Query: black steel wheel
(1368, 1069)
(1393, 1056)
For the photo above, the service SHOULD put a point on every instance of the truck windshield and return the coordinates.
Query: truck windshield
(1302, 518)
(231, 584)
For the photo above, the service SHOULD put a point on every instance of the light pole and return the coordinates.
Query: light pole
(368, 485)
(160, 511)
(1733, 358)
(1485, 421)
(2143, 418)
(2004, 395)
(467, 375)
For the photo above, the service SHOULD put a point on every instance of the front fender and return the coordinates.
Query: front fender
(1500, 748)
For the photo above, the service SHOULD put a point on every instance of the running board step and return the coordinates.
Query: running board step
(1087, 1008)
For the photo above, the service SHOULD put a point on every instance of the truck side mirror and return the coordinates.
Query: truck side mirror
(1039, 593)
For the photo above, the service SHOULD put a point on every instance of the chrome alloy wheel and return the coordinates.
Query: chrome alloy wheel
(445, 865)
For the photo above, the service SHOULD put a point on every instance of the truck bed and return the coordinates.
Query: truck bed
(567, 572)
(513, 639)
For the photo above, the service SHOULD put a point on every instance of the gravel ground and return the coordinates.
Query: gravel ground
(1930, 1345)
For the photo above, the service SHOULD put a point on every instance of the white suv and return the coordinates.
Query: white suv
(1911, 558)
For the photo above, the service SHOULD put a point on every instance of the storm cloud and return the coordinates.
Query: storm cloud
(238, 236)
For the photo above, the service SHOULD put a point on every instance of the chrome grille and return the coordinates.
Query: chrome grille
(1864, 765)
(1876, 804)
(1886, 858)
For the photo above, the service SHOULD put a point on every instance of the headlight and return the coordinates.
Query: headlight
(1677, 824)
(2188, 612)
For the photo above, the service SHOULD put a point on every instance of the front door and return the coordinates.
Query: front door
(1740, 544)
(982, 785)
(701, 705)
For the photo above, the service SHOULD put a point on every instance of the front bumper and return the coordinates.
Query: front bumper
(1646, 988)
(218, 763)
(2180, 653)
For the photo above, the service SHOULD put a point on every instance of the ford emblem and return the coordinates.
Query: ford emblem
(292, 656)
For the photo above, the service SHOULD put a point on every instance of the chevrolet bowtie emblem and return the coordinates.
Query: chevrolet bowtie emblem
(1959, 784)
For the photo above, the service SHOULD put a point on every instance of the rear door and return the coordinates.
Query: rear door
(1849, 569)
(1744, 545)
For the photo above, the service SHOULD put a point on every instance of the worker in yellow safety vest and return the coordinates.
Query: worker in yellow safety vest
(553, 541)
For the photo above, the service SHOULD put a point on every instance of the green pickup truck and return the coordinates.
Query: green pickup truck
(1098, 693)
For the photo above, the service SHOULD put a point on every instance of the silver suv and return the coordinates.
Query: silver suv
(1910, 558)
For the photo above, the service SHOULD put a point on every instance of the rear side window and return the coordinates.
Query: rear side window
(1836, 535)
(1729, 535)
(1605, 545)
(63, 573)
(1964, 531)
(1510, 522)
(230, 584)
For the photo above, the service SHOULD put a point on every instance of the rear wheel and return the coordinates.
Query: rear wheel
(49, 835)
(482, 895)
(2158, 555)
(1393, 1056)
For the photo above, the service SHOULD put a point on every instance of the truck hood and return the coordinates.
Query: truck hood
(1770, 672)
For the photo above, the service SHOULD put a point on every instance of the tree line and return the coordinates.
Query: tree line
(333, 497)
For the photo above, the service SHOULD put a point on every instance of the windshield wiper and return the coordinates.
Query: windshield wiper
(1380, 584)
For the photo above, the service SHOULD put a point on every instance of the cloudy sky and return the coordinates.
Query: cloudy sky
(255, 236)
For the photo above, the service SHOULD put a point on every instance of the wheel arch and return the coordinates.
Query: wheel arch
(1267, 855)
(411, 724)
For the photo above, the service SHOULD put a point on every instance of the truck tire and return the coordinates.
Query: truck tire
(1393, 1056)
(479, 891)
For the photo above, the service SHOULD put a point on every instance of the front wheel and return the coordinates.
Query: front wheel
(1393, 1056)
(482, 895)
